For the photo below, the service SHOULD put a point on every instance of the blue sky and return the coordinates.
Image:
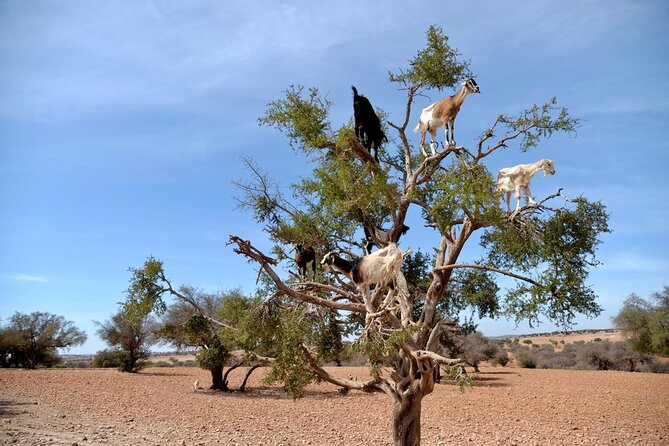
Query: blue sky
(123, 124)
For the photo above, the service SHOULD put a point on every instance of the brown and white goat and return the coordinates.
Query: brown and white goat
(379, 268)
(442, 114)
(512, 179)
(303, 256)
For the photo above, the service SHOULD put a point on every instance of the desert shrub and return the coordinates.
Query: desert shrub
(652, 365)
(159, 364)
(502, 358)
(594, 356)
(597, 340)
(76, 363)
(558, 361)
(526, 360)
(527, 341)
(107, 359)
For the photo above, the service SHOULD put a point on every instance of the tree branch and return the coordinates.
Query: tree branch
(490, 268)
(245, 248)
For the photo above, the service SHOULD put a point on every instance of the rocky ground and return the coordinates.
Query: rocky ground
(506, 406)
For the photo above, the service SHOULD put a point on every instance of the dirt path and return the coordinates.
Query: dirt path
(506, 406)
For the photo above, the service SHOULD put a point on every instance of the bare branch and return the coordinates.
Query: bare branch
(372, 385)
(245, 248)
(490, 268)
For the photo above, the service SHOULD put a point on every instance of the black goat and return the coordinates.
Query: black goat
(376, 233)
(303, 256)
(367, 124)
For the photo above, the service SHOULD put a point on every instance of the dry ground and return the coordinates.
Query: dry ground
(158, 406)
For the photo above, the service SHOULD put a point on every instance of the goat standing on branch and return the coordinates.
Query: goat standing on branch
(442, 114)
(367, 124)
(512, 179)
(303, 256)
(376, 234)
(379, 268)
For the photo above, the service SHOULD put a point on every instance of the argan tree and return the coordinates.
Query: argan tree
(186, 324)
(645, 322)
(32, 340)
(130, 338)
(232, 329)
(546, 249)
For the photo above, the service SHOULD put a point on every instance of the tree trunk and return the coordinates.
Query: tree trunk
(225, 377)
(217, 378)
(406, 420)
(242, 388)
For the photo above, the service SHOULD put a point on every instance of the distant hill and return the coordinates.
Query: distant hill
(585, 335)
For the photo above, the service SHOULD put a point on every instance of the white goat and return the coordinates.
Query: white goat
(442, 114)
(378, 268)
(512, 179)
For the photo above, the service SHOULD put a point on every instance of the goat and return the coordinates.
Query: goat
(367, 124)
(443, 113)
(512, 179)
(303, 256)
(378, 268)
(375, 234)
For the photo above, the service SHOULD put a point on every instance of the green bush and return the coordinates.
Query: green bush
(526, 360)
(502, 358)
(107, 359)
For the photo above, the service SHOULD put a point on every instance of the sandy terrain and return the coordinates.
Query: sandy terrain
(158, 406)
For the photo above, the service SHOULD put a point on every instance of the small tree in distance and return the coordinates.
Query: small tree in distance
(129, 338)
(32, 340)
(645, 323)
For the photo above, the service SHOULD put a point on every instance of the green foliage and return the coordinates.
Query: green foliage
(436, 66)
(456, 375)
(108, 358)
(562, 249)
(471, 289)
(216, 355)
(526, 360)
(538, 122)
(645, 323)
(290, 366)
(502, 358)
(329, 338)
(463, 189)
(32, 340)
(351, 192)
(416, 269)
(129, 338)
(302, 116)
(377, 347)
(144, 294)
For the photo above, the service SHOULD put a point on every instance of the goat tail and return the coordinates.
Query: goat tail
(417, 127)
(355, 92)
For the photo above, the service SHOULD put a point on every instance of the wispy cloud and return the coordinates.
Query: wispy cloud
(20, 277)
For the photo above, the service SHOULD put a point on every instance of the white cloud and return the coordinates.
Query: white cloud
(20, 277)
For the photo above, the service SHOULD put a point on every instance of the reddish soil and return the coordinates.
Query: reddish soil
(506, 406)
